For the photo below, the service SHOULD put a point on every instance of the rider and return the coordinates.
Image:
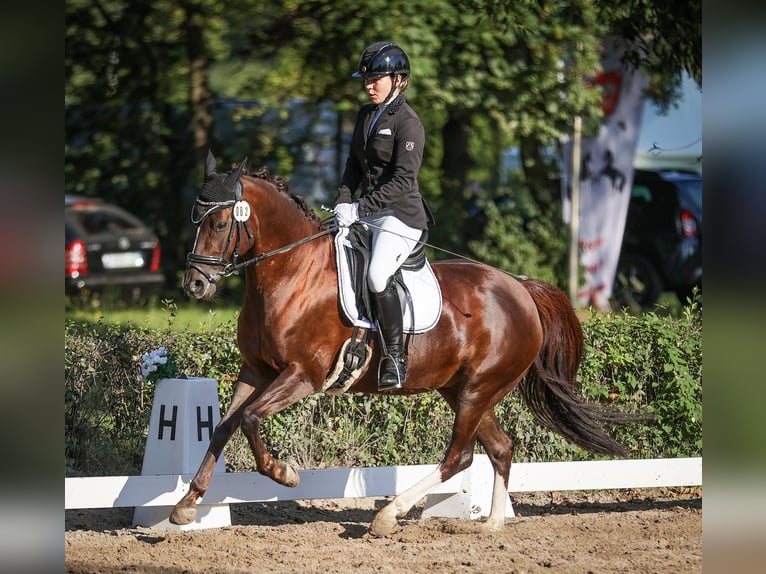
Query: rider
(384, 160)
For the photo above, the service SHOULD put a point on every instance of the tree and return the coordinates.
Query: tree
(137, 109)
(665, 39)
(523, 66)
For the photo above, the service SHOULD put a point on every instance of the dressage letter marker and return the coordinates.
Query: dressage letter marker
(184, 414)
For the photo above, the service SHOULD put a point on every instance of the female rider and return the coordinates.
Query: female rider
(383, 164)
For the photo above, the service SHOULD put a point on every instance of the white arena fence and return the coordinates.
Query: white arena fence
(363, 482)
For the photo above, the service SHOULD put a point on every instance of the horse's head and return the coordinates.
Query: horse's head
(220, 218)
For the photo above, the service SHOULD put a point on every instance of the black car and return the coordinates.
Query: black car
(107, 248)
(662, 245)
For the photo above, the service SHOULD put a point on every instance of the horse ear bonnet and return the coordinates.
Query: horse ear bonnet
(221, 187)
(215, 190)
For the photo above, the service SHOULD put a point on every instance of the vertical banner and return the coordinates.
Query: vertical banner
(606, 176)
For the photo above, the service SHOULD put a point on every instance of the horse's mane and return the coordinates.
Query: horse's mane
(277, 181)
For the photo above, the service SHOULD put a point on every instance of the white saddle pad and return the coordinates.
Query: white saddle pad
(422, 307)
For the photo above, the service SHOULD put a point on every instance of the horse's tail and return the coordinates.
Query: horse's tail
(549, 388)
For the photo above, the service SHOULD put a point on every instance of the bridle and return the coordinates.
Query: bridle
(237, 229)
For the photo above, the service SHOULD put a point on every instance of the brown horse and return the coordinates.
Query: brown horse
(494, 333)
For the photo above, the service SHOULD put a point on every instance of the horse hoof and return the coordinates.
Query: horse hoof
(183, 515)
(383, 524)
(292, 478)
(493, 525)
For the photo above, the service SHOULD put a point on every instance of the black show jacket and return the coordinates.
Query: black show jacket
(385, 165)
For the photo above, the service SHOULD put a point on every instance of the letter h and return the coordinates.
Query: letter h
(168, 423)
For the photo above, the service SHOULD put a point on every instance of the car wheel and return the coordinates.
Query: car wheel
(638, 283)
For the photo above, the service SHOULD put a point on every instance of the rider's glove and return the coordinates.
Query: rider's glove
(346, 213)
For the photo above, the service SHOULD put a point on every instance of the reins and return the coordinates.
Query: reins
(258, 258)
(232, 267)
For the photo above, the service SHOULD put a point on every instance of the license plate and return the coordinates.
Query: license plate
(126, 260)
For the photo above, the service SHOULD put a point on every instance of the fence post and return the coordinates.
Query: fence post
(184, 414)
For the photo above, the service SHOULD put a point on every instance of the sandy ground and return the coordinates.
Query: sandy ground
(650, 530)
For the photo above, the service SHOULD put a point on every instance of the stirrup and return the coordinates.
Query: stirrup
(400, 366)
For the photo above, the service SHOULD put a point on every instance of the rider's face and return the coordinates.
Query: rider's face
(378, 88)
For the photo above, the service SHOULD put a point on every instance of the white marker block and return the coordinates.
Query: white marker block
(184, 414)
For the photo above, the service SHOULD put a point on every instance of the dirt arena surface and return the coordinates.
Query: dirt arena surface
(636, 531)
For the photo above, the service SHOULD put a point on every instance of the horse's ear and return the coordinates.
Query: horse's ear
(210, 164)
(231, 180)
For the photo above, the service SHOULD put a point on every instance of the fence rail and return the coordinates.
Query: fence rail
(227, 488)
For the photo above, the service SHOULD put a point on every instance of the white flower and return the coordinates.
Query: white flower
(151, 362)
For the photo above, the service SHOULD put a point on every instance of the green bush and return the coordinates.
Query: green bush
(522, 240)
(651, 364)
(647, 364)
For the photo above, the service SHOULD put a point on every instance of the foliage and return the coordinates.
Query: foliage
(108, 402)
(666, 36)
(520, 240)
(655, 364)
(647, 364)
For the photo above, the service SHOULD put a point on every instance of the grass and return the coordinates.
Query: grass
(165, 314)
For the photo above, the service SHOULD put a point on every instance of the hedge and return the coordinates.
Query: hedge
(638, 364)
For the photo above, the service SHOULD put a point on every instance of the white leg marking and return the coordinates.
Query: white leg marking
(496, 518)
(385, 520)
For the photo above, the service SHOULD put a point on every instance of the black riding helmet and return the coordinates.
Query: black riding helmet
(382, 59)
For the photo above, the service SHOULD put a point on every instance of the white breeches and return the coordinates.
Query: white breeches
(392, 242)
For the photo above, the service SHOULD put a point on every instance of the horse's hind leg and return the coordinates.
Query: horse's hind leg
(459, 456)
(499, 449)
(385, 521)
(185, 511)
(496, 443)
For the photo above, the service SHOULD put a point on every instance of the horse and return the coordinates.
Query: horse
(495, 332)
(616, 176)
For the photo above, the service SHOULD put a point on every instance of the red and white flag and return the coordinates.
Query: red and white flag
(606, 176)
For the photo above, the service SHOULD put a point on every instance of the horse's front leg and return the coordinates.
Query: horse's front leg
(185, 511)
(291, 386)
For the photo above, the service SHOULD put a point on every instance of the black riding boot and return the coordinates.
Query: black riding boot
(392, 370)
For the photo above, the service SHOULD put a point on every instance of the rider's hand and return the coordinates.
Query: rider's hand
(346, 213)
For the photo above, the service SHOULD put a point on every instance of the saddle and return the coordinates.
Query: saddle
(419, 294)
(415, 281)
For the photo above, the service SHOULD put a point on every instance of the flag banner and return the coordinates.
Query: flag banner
(606, 176)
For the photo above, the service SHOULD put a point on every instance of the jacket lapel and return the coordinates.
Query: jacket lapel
(367, 121)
